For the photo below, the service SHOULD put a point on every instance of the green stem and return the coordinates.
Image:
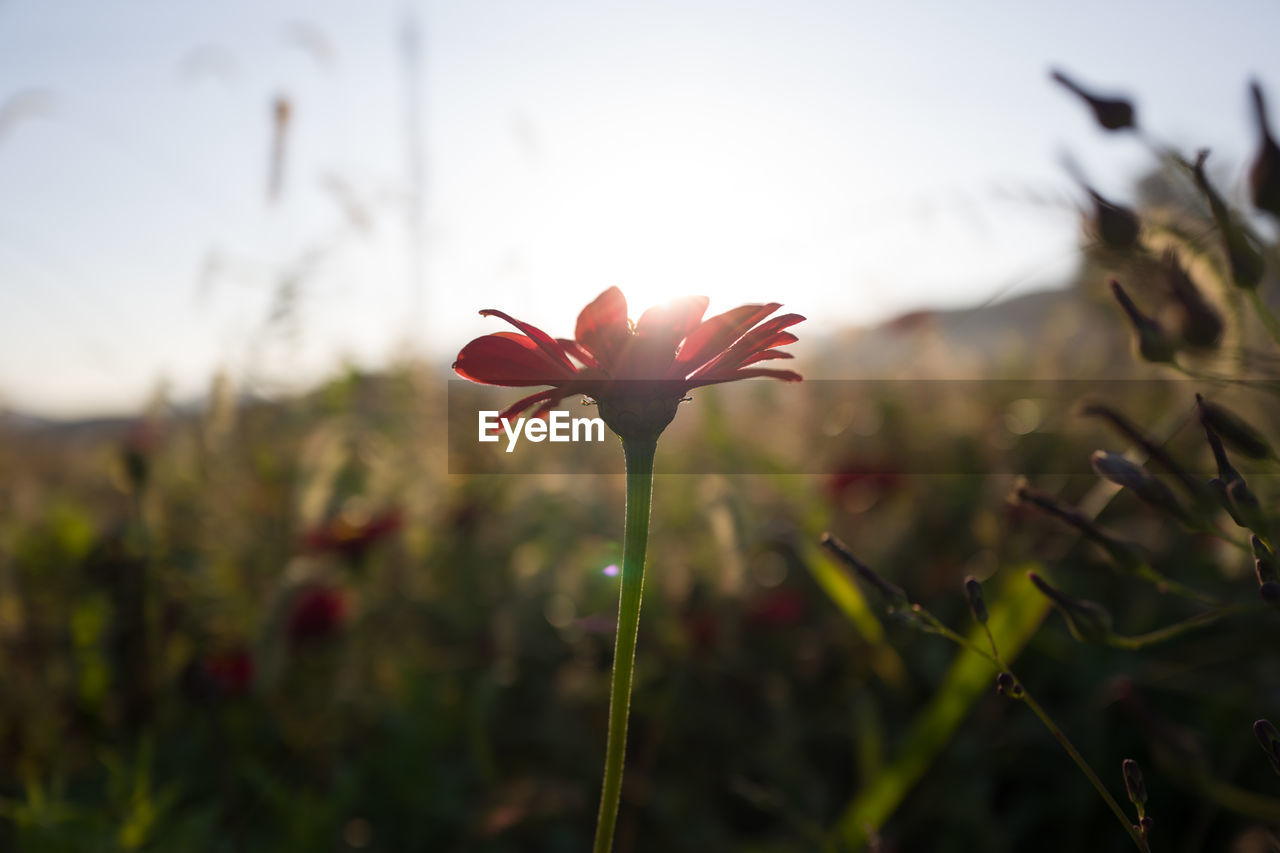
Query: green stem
(1178, 628)
(1071, 750)
(1059, 735)
(639, 458)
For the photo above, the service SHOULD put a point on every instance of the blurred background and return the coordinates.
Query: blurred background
(255, 595)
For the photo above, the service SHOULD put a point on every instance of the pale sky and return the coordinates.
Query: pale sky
(851, 159)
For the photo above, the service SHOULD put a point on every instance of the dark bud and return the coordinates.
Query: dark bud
(977, 605)
(1110, 113)
(1247, 265)
(1145, 824)
(1226, 472)
(1088, 621)
(1264, 174)
(1132, 476)
(1203, 496)
(1247, 507)
(1199, 322)
(1233, 430)
(1007, 685)
(895, 598)
(1219, 488)
(1269, 739)
(1126, 558)
(1134, 784)
(1116, 227)
(1264, 560)
(1270, 593)
(1150, 339)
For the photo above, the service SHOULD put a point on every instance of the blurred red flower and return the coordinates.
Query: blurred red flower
(782, 607)
(670, 350)
(350, 535)
(232, 671)
(317, 612)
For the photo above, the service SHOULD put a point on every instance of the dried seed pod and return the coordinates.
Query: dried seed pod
(1110, 113)
(1152, 342)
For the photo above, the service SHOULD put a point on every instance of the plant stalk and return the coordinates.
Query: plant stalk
(639, 455)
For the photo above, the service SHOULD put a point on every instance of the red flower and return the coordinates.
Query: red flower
(318, 612)
(350, 535)
(637, 372)
(231, 670)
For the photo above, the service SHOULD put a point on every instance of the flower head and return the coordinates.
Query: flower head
(637, 372)
(319, 611)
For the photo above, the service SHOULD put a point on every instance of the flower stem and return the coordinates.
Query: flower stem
(639, 459)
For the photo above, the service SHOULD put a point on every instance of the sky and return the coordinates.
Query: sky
(854, 160)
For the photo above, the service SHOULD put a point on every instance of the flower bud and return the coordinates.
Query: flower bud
(1269, 739)
(1126, 558)
(1007, 685)
(1088, 621)
(1150, 339)
(1226, 471)
(1219, 489)
(1134, 785)
(1246, 262)
(1264, 561)
(1115, 226)
(1247, 507)
(1270, 593)
(1199, 322)
(973, 590)
(1264, 174)
(1233, 430)
(894, 596)
(1132, 476)
(1110, 113)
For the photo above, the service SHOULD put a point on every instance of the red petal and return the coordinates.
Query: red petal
(675, 319)
(505, 358)
(549, 398)
(602, 326)
(544, 341)
(712, 337)
(575, 350)
(765, 336)
(764, 355)
(716, 378)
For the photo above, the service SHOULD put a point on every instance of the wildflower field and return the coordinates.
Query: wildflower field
(953, 583)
